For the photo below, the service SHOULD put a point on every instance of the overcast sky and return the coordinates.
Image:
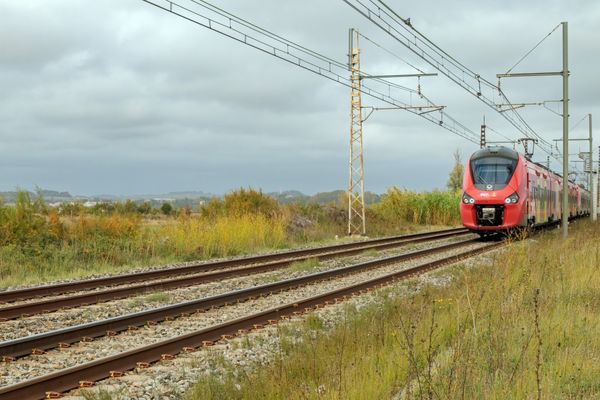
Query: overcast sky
(121, 97)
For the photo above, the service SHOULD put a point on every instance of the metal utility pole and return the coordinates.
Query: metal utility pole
(565, 114)
(594, 195)
(597, 184)
(356, 177)
(565, 75)
(356, 181)
(591, 170)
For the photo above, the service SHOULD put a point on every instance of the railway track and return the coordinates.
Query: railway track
(87, 373)
(41, 342)
(60, 288)
(211, 272)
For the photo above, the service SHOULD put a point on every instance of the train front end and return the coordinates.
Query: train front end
(494, 191)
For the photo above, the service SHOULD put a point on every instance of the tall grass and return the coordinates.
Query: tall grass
(428, 208)
(222, 236)
(523, 326)
(38, 243)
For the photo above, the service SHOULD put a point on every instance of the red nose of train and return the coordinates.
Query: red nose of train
(491, 210)
(491, 197)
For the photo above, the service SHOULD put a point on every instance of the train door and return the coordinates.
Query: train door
(544, 194)
(560, 201)
(538, 196)
(551, 213)
(528, 193)
(531, 189)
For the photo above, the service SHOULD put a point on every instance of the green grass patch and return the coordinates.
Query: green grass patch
(522, 326)
(370, 253)
(304, 266)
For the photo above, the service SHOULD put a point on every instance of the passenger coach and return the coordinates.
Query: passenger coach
(503, 190)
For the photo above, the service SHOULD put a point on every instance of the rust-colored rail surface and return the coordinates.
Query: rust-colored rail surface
(67, 379)
(49, 305)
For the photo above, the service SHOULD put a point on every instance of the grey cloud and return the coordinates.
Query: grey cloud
(120, 97)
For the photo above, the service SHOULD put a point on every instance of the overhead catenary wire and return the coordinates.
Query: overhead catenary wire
(533, 49)
(231, 18)
(478, 77)
(499, 134)
(245, 32)
(388, 51)
(578, 122)
(401, 29)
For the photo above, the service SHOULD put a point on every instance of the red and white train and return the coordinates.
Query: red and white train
(503, 190)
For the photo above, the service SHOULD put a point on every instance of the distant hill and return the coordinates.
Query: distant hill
(189, 198)
(296, 197)
(48, 195)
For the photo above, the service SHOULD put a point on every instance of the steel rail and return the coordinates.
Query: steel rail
(60, 288)
(50, 305)
(44, 341)
(66, 379)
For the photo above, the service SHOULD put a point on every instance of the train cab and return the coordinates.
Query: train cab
(494, 190)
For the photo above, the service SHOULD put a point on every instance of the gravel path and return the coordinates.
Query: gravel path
(32, 366)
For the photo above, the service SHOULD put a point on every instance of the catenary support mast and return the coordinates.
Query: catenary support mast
(565, 76)
(591, 170)
(565, 115)
(356, 179)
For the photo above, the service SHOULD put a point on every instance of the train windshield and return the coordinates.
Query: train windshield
(492, 170)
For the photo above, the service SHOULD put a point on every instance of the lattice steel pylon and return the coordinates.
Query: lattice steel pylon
(356, 181)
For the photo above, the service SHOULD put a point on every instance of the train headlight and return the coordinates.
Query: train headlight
(467, 199)
(512, 199)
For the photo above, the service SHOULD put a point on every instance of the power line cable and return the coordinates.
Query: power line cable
(578, 122)
(498, 133)
(245, 32)
(401, 29)
(390, 52)
(533, 49)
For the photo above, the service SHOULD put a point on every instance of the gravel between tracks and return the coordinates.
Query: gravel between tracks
(32, 366)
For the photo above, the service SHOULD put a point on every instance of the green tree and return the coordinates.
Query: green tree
(166, 208)
(455, 177)
(144, 208)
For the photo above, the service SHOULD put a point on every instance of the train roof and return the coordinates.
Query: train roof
(505, 152)
(496, 151)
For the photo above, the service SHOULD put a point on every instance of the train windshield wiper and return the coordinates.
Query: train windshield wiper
(481, 178)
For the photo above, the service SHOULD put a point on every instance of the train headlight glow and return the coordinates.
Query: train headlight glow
(512, 199)
(467, 199)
